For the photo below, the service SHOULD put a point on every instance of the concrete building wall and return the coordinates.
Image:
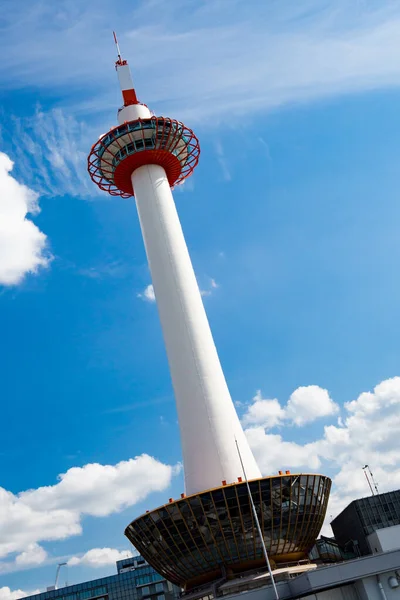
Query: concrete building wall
(356, 579)
(345, 592)
(385, 539)
(368, 588)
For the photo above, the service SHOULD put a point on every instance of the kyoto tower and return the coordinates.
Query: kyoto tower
(211, 527)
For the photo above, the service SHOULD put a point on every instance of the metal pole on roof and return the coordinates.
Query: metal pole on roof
(367, 478)
(373, 480)
(258, 524)
(63, 564)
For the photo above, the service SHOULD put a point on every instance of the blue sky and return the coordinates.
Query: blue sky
(292, 221)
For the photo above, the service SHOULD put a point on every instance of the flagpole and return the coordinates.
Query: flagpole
(258, 524)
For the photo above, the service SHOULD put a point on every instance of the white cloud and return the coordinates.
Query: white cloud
(54, 512)
(148, 294)
(33, 555)
(7, 594)
(274, 454)
(99, 557)
(368, 433)
(187, 185)
(306, 404)
(22, 244)
(213, 285)
(263, 412)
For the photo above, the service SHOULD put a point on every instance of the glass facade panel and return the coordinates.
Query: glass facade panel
(116, 587)
(377, 512)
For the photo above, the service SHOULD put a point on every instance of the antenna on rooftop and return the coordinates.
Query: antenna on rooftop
(373, 481)
(63, 564)
(365, 468)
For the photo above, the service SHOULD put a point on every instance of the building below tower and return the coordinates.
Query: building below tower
(362, 517)
(135, 580)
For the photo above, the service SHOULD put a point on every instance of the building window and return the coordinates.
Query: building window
(159, 587)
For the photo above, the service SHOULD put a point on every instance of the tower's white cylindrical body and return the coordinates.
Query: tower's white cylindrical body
(207, 417)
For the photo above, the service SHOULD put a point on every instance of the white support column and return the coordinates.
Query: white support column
(207, 417)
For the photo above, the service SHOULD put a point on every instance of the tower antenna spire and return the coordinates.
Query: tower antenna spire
(125, 78)
(117, 45)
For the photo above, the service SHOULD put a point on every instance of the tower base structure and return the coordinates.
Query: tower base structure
(212, 534)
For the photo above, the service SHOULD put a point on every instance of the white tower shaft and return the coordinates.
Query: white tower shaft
(207, 417)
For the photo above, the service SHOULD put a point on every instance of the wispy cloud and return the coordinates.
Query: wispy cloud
(240, 61)
(212, 286)
(51, 150)
(266, 148)
(114, 269)
(139, 405)
(148, 294)
(187, 185)
(223, 163)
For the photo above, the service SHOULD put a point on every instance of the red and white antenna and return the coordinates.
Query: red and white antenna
(118, 50)
(125, 78)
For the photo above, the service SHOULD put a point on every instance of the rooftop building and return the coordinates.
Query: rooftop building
(328, 550)
(374, 577)
(135, 580)
(364, 516)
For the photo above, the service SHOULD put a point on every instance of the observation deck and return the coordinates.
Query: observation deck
(155, 140)
(196, 539)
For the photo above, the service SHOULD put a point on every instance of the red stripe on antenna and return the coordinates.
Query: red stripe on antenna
(129, 97)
